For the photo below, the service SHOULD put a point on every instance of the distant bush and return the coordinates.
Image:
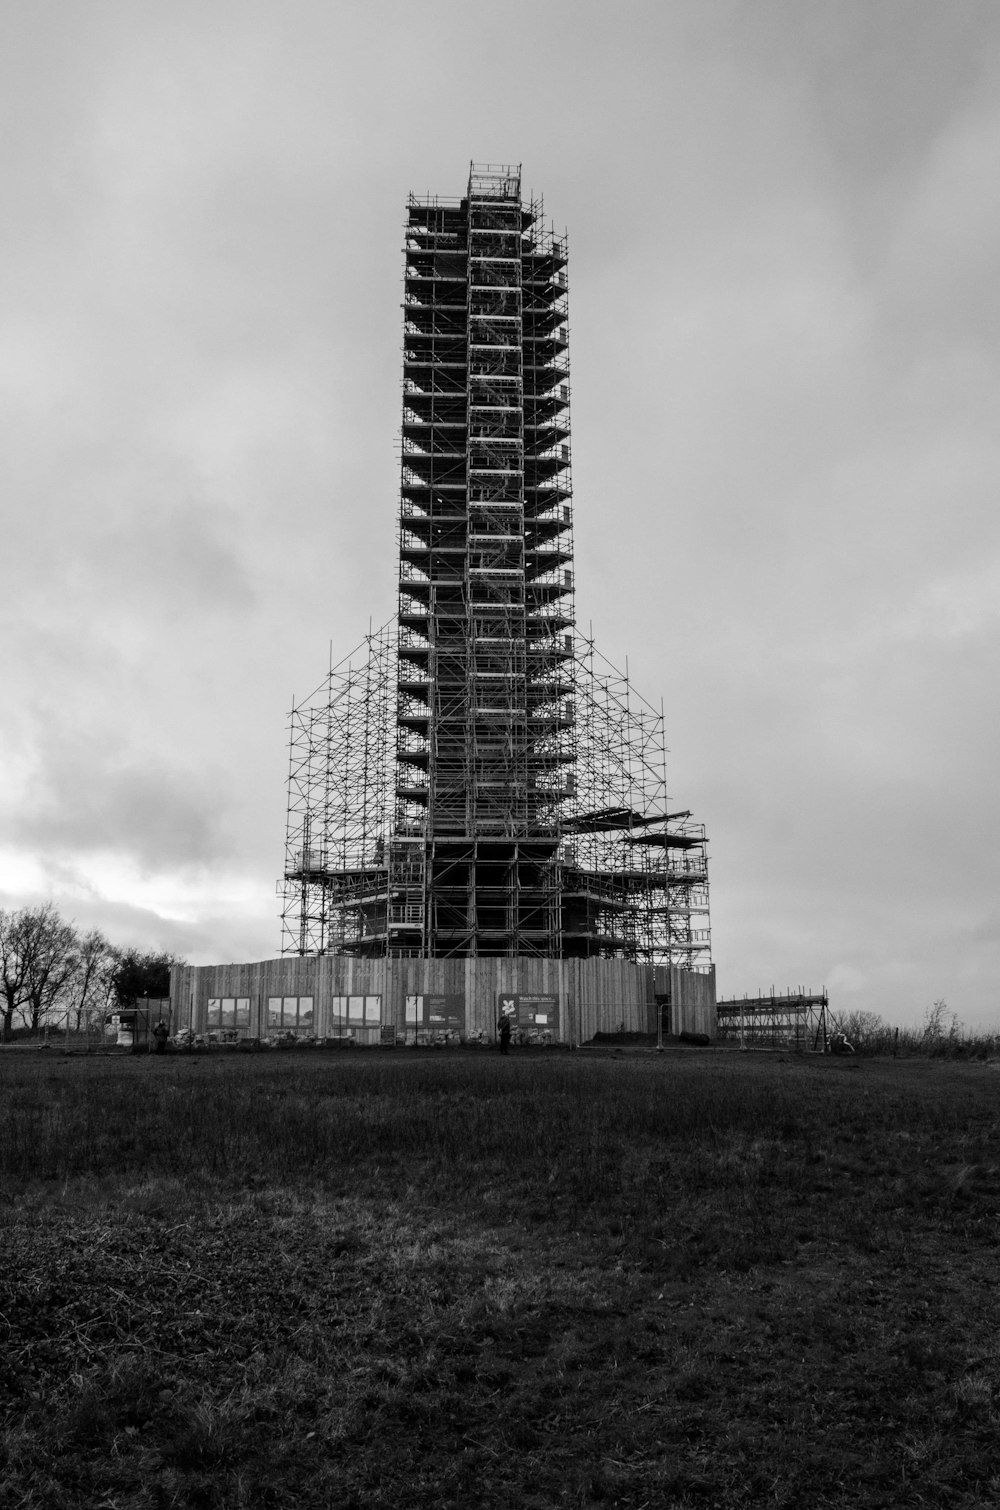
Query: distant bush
(942, 1035)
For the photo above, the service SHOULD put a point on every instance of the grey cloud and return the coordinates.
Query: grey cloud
(783, 307)
(86, 797)
(209, 935)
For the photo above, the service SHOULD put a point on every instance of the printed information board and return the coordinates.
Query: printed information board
(436, 1013)
(528, 1012)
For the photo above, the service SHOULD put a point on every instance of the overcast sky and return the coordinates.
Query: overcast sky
(784, 223)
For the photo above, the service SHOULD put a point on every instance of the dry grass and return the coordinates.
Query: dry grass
(403, 1279)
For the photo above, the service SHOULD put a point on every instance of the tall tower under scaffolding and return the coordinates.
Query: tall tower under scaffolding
(475, 779)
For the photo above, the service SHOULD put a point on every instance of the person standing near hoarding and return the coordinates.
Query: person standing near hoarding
(504, 1033)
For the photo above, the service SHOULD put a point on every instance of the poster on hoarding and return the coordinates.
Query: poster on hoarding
(348, 1013)
(442, 1014)
(531, 1013)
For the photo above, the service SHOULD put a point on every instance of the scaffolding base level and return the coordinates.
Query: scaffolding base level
(611, 875)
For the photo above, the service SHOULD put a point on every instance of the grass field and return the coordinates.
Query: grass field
(408, 1279)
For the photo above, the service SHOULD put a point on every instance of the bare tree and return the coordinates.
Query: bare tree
(941, 1026)
(51, 949)
(38, 955)
(89, 991)
(13, 966)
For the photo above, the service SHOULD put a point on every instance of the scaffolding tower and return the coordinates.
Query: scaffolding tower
(476, 780)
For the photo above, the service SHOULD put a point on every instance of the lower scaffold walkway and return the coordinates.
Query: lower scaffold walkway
(795, 1020)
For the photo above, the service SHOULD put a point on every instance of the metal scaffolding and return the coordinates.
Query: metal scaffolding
(486, 589)
(790, 1020)
(634, 875)
(340, 806)
(629, 878)
(481, 782)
